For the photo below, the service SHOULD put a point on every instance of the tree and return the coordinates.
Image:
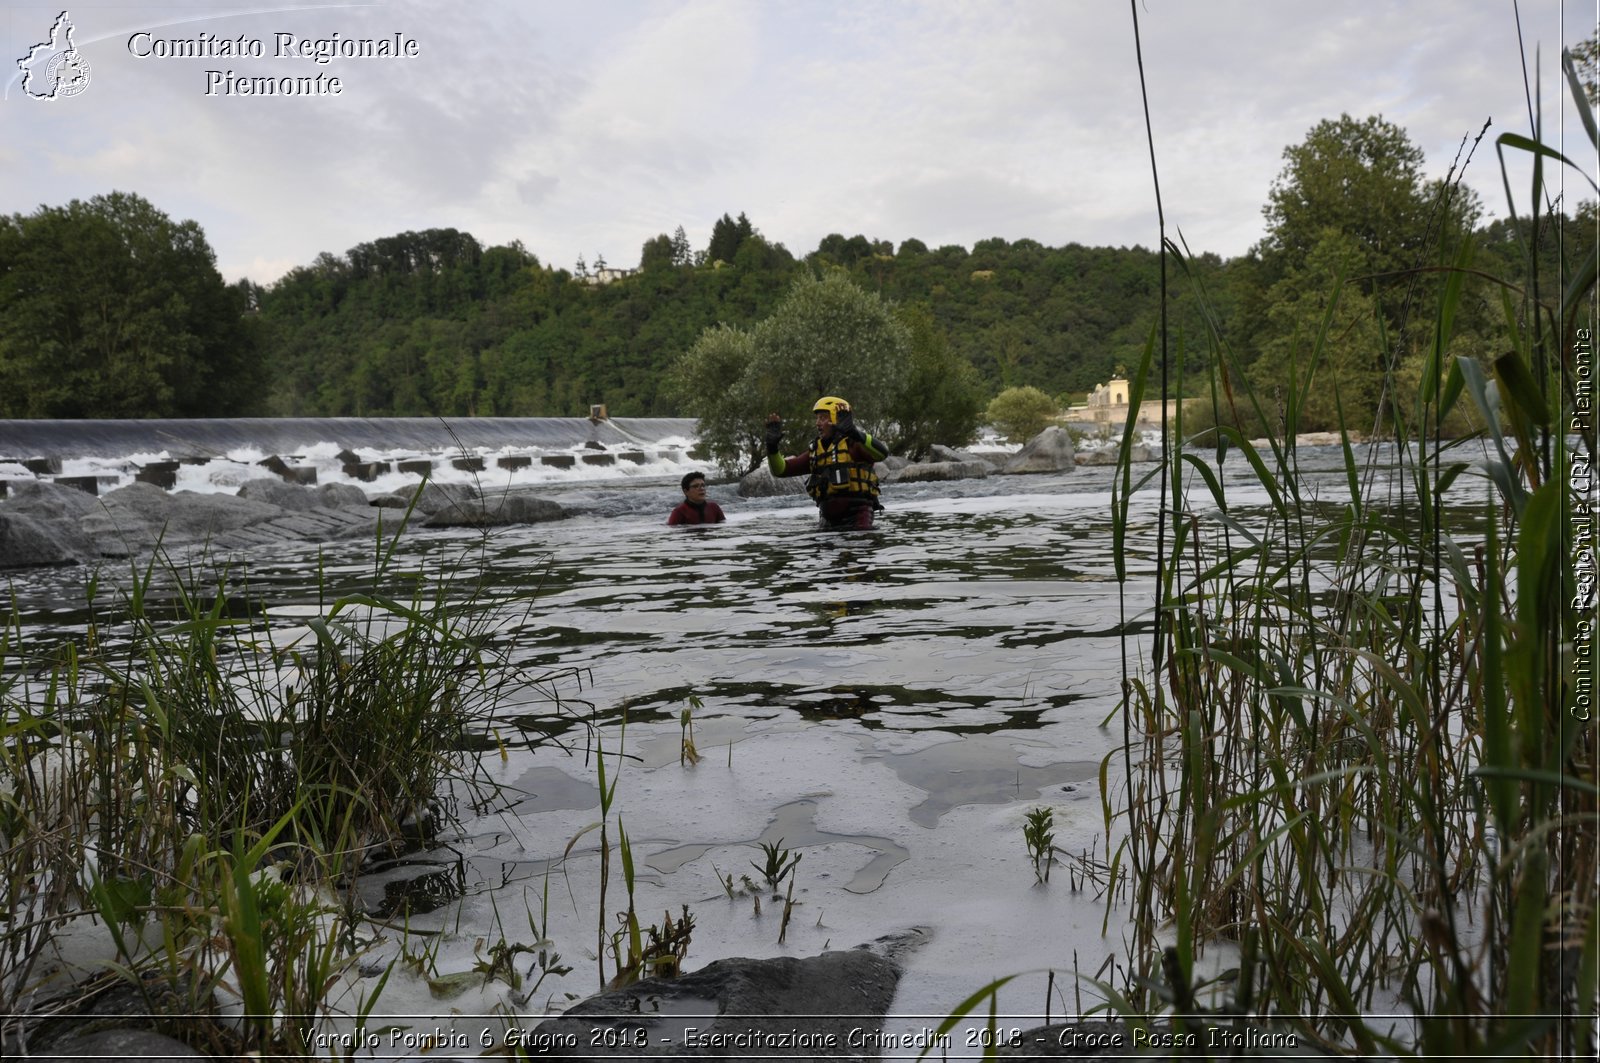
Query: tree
(682, 254)
(827, 337)
(1359, 178)
(727, 235)
(1324, 343)
(941, 400)
(657, 253)
(108, 308)
(1021, 413)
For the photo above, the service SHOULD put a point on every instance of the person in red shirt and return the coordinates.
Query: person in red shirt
(839, 462)
(694, 509)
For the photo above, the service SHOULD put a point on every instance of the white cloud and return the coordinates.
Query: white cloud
(585, 129)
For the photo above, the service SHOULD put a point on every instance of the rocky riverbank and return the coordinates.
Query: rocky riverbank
(44, 523)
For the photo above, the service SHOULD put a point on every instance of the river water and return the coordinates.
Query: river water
(888, 705)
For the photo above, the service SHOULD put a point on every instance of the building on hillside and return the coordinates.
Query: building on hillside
(1108, 406)
(607, 274)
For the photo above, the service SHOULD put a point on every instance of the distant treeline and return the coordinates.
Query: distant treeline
(434, 323)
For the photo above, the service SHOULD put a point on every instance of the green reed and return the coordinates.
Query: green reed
(1356, 749)
(206, 778)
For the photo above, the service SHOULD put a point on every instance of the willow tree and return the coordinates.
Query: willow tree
(827, 337)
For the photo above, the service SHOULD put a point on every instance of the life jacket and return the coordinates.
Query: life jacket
(835, 473)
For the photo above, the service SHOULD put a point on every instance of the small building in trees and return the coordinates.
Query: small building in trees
(1108, 405)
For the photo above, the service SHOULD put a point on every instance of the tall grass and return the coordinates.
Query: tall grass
(1356, 755)
(192, 786)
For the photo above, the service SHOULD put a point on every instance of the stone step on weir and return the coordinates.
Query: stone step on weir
(635, 456)
(599, 459)
(419, 467)
(366, 471)
(467, 464)
(304, 475)
(90, 484)
(558, 461)
(514, 463)
(42, 466)
(164, 474)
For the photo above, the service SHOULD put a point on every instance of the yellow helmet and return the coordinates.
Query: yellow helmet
(834, 405)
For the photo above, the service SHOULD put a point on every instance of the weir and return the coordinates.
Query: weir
(211, 438)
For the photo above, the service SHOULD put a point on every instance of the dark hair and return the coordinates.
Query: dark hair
(691, 477)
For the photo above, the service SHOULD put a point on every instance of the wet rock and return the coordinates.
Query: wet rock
(192, 515)
(497, 510)
(1138, 453)
(278, 493)
(1049, 451)
(762, 484)
(438, 497)
(123, 1044)
(944, 470)
(939, 452)
(45, 501)
(333, 496)
(26, 542)
(745, 1008)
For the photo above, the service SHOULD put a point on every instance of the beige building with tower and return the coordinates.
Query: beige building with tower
(1108, 405)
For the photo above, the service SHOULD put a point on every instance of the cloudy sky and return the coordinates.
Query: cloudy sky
(587, 128)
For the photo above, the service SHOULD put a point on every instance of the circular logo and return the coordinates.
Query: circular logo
(67, 74)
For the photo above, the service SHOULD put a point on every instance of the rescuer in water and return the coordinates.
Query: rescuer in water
(839, 462)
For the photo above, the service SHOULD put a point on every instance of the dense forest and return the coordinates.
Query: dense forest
(434, 323)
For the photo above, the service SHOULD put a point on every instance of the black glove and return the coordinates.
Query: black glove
(774, 436)
(846, 427)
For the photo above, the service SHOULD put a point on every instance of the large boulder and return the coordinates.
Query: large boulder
(940, 452)
(194, 515)
(819, 1007)
(762, 484)
(25, 542)
(497, 510)
(45, 501)
(1049, 451)
(279, 493)
(432, 498)
(944, 470)
(337, 496)
(1138, 453)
